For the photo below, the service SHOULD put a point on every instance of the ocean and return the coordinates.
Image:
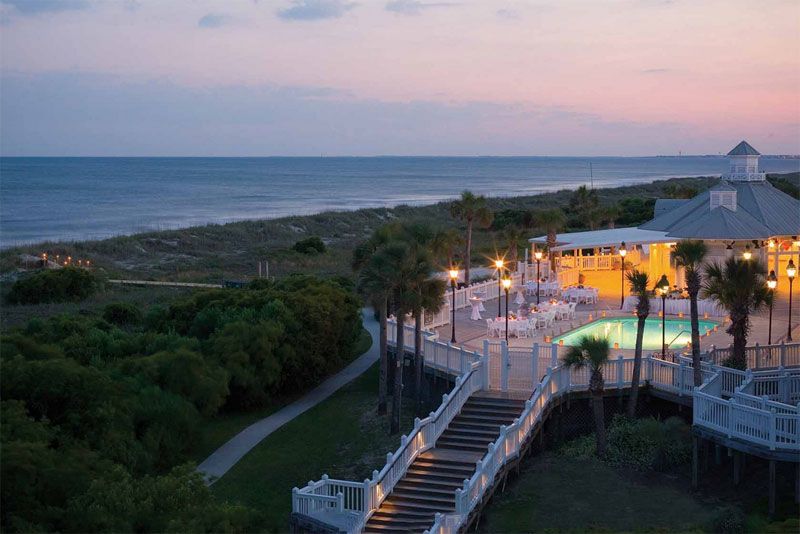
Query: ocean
(64, 199)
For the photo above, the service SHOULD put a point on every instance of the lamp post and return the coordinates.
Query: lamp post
(622, 253)
(453, 277)
(498, 264)
(506, 287)
(747, 254)
(663, 287)
(772, 283)
(538, 256)
(791, 272)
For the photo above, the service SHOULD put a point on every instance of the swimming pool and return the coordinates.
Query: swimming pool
(622, 330)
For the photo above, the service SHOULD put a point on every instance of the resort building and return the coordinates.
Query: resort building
(742, 215)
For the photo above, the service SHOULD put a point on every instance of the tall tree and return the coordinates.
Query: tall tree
(443, 246)
(550, 221)
(514, 235)
(376, 284)
(426, 292)
(690, 255)
(470, 209)
(592, 352)
(739, 286)
(583, 200)
(639, 283)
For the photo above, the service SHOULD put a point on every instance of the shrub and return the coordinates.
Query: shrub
(57, 285)
(122, 314)
(639, 443)
(728, 520)
(310, 245)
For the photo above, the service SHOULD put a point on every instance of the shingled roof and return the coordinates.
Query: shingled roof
(743, 149)
(762, 211)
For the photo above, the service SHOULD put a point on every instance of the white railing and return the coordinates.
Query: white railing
(762, 356)
(753, 413)
(568, 277)
(355, 501)
(604, 262)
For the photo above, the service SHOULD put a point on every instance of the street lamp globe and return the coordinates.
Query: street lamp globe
(506, 283)
(747, 254)
(538, 255)
(498, 264)
(453, 274)
(622, 250)
(772, 280)
(791, 270)
(663, 284)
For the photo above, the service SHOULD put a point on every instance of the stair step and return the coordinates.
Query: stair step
(421, 523)
(481, 419)
(488, 414)
(458, 474)
(459, 446)
(470, 431)
(416, 494)
(494, 408)
(434, 465)
(385, 528)
(466, 440)
(402, 513)
(438, 478)
(406, 503)
(449, 483)
(426, 489)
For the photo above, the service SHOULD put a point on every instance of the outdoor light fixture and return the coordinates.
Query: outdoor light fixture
(791, 272)
(622, 253)
(453, 278)
(506, 287)
(663, 286)
(747, 254)
(771, 243)
(538, 256)
(772, 283)
(498, 264)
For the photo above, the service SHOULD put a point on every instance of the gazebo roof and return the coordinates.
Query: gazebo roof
(743, 149)
(605, 238)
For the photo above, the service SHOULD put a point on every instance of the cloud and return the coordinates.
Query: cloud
(315, 9)
(212, 20)
(35, 7)
(413, 7)
(656, 71)
(507, 14)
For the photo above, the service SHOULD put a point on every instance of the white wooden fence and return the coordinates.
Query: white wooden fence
(761, 356)
(756, 411)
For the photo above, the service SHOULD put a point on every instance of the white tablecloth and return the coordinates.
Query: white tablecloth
(520, 298)
(477, 301)
(476, 310)
(546, 288)
(675, 306)
(582, 294)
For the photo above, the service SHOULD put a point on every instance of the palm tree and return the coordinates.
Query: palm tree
(443, 245)
(429, 293)
(551, 221)
(638, 282)
(583, 200)
(376, 282)
(592, 352)
(426, 293)
(739, 286)
(611, 214)
(690, 255)
(470, 209)
(514, 235)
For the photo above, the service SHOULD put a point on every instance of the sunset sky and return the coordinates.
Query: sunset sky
(405, 77)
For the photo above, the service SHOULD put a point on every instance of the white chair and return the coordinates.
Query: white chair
(491, 328)
(549, 317)
(521, 328)
(571, 312)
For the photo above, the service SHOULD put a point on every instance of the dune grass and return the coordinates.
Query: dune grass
(231, 251)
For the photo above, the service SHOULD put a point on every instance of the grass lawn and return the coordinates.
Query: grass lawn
(343, 437)
(222, 427)
(556, 493)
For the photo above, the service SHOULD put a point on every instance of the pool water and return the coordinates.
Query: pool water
(622, 330)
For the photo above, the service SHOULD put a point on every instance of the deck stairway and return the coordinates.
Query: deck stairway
(429, 484)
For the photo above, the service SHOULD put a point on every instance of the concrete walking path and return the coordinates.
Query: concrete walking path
(224, 458)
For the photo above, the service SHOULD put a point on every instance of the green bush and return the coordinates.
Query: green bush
(123, 314)
(310, 245)
(57, 285)
(728, 520)
(641, 444)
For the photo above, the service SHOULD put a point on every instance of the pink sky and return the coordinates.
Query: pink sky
(631, 77)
